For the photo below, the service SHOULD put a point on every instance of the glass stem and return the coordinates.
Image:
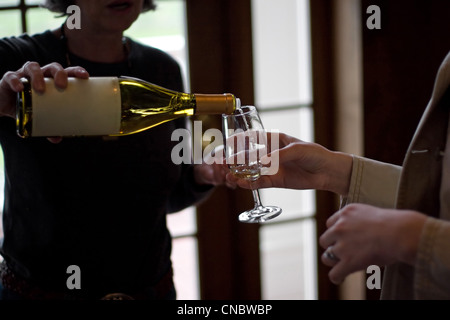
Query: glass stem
(256, 198)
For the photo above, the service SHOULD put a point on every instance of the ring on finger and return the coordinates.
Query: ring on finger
(329, 254)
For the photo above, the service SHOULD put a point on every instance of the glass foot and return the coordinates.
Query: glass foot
(260, 214)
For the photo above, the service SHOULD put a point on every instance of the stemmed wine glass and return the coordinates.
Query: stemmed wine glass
(245, 142)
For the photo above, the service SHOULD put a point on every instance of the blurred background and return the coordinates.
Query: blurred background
(315, 71)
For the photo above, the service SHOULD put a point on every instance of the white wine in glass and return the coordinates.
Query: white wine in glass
(245, 144)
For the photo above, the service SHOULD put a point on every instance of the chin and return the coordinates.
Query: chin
(117, 25)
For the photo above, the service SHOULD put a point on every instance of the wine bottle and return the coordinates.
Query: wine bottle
(111, 106)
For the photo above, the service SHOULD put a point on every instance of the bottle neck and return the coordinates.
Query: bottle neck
(215, 103)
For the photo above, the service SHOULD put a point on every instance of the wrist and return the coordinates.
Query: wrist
(340, 174)
(198, 184)
(409, 232)
(197, 175)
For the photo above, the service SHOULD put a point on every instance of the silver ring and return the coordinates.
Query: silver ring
(330, 255)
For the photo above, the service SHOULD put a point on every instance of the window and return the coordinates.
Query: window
(166, 29)
(283, 94)
(20, 16)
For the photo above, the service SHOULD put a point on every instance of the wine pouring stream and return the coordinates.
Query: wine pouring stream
(245, 144)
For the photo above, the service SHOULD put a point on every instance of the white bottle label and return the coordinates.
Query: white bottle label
(86, 107)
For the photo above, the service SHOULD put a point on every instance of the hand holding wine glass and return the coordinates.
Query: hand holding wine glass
(303, 165)
(245, 144)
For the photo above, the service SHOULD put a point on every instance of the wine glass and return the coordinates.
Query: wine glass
(245, 144)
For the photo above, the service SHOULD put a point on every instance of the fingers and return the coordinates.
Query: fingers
(347, 247)
(339, 269)
(262, 182)
(77, 72)
(329, 237)
(333, 219)
(32, 70)
(288, 151)
(57, 72)
(282, 139)
(213, 174)
(55, 140)
(224, 173)
(331, 257)
(60, 75)
(36, 74)
(230, 185)
(219, 176)
(11, 80)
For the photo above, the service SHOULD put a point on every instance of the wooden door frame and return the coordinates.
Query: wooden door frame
(221, 60)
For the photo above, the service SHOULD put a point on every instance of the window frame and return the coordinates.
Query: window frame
(23, 7)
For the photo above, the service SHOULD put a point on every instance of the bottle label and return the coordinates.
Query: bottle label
(85, 107)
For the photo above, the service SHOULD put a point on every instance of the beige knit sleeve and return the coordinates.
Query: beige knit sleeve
(432, 268)
(373, 182)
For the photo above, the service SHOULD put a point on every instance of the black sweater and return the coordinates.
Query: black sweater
(98, 204)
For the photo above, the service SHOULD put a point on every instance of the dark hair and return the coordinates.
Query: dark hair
(60, 6)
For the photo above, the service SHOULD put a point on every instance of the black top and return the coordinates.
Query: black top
(98, 204)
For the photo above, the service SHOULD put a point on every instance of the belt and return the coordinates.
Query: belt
(30, 291)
